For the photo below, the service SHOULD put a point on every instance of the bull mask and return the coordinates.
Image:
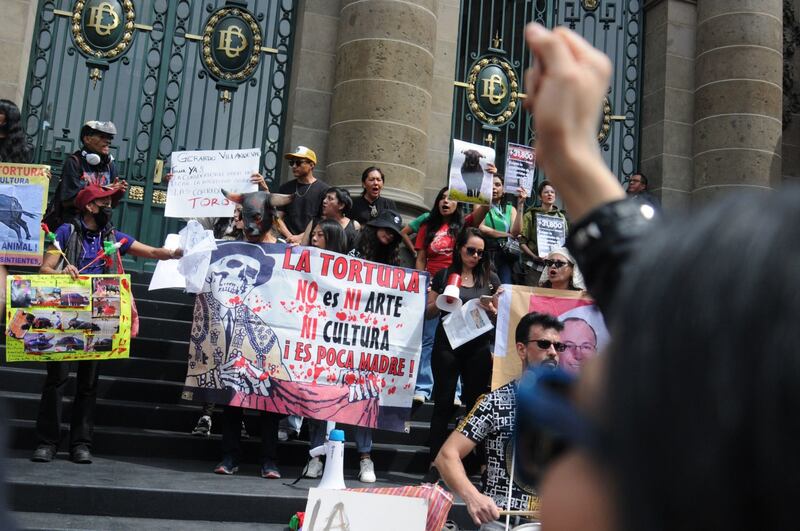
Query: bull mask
(258, 209)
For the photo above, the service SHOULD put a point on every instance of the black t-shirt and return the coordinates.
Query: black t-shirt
(306, 203)
(362, 209)
(438, 284)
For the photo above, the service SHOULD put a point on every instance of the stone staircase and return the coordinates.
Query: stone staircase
(149, 472)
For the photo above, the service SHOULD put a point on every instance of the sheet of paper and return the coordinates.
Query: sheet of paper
(166, 274)
(520, 164)
(466, 324)
(363, 511)
(197, 244)
(199, 177)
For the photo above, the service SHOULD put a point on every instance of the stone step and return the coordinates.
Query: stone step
(170, 489)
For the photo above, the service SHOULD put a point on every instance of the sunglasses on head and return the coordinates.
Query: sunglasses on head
(557, 264)
(544, 344)
(547, 422)
(472, 251)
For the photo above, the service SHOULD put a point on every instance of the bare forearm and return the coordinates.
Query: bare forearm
(452, 471)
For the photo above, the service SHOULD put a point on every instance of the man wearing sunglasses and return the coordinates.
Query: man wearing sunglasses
(492, 421)
(307, 190)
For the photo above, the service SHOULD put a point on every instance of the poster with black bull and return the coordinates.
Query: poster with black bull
(298, 330)
(469, 180)
(23, 199)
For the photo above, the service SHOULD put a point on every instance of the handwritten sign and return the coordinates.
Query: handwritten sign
(551, 233)
(23, 199)
(362, 511)
(520, 164)
(55, 318)
(198, 176)
(302, 331)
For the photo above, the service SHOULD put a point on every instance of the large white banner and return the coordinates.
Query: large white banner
(198, 177)
(302, 331)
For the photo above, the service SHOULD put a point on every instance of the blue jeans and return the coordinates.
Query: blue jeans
(319, 429)
(424, 385)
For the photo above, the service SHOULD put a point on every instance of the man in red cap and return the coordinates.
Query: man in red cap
(81, 240)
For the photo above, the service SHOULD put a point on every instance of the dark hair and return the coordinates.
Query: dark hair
(701, 388)
(342, 196)
(365, 174)
(545, 320)
(643, 176)
(481, 271)
(503, 196)
(369, 247)
(335, 238)
(541, 187)
(13, 147)
(435, 220)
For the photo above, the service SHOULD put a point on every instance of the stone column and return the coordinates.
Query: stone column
(738, 97)
(382, 95)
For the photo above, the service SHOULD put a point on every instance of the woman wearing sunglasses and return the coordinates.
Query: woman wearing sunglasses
(472, 361)
(560, 272)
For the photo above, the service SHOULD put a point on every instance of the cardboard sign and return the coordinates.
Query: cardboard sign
(362, 511)
(469, 180)
(551, 233)
(585, 334)
(23, 199)
(55, 318)
(520, 165)
(301, 331)
(198, 177)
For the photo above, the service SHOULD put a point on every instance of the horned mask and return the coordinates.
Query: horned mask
(258, 210)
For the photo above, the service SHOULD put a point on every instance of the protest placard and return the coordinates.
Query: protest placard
(573, 306)
(302, 331)
(55, 318)
(198, 177)
(551, 233)
(363, 511)
(520, 165)
(23, 199)
(469, 180)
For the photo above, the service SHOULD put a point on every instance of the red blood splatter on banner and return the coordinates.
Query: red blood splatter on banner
(392, 390)
(317, 371)
(341, 316)
(235, 300)
(349, 378)
(385, 328)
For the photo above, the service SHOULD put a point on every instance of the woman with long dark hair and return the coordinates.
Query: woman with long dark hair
(370, 203)
(472, 361)
(380, 239)
(336, 204)
(328, 234)
(12, 139)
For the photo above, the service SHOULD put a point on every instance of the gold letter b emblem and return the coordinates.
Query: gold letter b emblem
(96, 15)
(226, 41)
(489, 92)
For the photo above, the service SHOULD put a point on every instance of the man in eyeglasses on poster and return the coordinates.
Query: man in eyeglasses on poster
(492, 420)
(581, 342)
(307, 190)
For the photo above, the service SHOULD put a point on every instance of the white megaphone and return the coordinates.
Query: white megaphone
(450, 301)
(333, 450)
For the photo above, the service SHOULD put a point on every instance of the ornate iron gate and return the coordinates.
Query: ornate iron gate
(172, 75)
(491, 34)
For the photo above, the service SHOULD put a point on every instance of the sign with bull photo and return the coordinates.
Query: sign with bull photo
(55, 318)
(302, 331)
(469, 180)
(23, 198)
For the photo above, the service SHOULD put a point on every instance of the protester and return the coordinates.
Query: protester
(81, 240)
(370, 203)
(410, 231)
(13, 147)
(472, 360)
(560, 272)
(380, 238)
(92, 164)
(534, 264)
(501, 228)
(336, 205)
(307, 191)
(685, 408)
(637, 187)
(258, 214)
(434, 244)
(328, 234)
(491, 421)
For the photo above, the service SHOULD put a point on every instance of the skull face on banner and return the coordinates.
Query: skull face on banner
(258, 211)
(232, 276)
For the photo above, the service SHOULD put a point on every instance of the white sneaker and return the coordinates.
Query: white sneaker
(367, 473)
(314, 468)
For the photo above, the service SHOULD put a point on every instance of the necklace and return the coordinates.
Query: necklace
(297, 190)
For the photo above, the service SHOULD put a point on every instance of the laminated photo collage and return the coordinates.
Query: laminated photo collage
(67, 316)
